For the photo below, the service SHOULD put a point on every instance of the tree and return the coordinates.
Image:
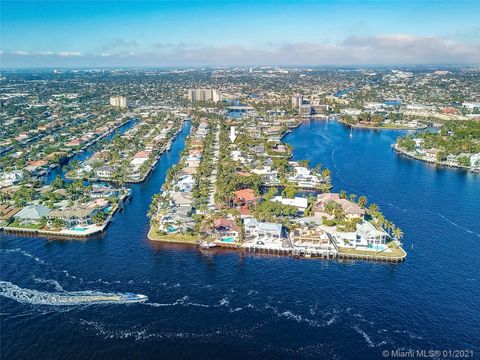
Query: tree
(343, 194)
(4, 197)
(57, 223)
(373, 208)
(352, 197)
(397, 233)
(362, 201)
(304, 163)
(289, 192)
(57, 183)
(99, 217)
(271, 193)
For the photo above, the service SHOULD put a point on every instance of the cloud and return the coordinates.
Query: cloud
(21, 53)
(118, 44)
(353, 50)
(381, 49)
(68, 53)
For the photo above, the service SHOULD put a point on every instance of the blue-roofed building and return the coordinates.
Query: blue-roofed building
(32, 213)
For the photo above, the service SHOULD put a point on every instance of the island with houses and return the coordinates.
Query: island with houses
(237, 187)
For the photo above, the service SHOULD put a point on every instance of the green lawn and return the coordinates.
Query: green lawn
(17, 224)
(396, 252)
(173, 238)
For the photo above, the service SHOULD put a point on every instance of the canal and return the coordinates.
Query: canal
(229, 305)
(89, 151)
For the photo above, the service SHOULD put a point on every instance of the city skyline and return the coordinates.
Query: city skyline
(125, 33)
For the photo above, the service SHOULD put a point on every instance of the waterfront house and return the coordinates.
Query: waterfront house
(270, 176)
(177, 220)
(7, 211)
(307, 238)
(10, 178)
(298, 202)
(73, 216)
(350, 209)
(139, 158)
(185, 183)
(31, 214)
(226, 227)
(181, 198)
(262, 230)
(366, 236)
(303, 177)
(104, 171)
(475, 160)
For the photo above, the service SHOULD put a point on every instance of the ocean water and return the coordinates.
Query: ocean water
(228, 305)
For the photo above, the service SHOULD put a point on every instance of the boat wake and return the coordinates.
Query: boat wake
(66, 298)
(455, 224)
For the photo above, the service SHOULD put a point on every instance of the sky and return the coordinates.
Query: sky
(227, 33)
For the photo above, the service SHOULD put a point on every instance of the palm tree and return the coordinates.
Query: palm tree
(4, 197)
(373, 208)
(362, 201)
(352, 197)
(343, 194)
(397, 233)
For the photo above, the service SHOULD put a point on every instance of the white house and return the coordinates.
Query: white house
(262, 230)
(366, 236)
(304, 177)
(185, 183)
(10, 178)
(104, 171)
(298, 202)
(475, 160)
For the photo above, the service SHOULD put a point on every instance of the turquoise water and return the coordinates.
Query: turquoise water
(376, 247)
(171, 229)
(228, 239)
(79, 229)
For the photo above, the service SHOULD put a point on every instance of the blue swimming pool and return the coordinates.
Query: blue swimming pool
(227, 239)
(376, 247)
(78, 228)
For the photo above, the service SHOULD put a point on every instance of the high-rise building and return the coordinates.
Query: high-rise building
(305, 110)
(118, 101)
(297, 101)
(212, 95)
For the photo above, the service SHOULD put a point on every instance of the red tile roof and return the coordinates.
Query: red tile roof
(246, 195)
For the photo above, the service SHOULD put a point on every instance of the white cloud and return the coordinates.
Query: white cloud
(354, 50)
(68, 53)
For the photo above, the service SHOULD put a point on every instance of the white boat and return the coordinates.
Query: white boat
(207, 245)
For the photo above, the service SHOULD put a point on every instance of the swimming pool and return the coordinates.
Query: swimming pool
(376, 247)
(227, 239)
(77, 228)
(171, 229)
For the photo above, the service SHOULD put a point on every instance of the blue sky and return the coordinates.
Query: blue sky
(159, 33)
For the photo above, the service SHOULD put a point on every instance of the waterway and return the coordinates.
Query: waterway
(89, 151)
(226, 305)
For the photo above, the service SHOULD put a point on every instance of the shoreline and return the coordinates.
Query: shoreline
(342, 254)
(370, 127)
(401, 152)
